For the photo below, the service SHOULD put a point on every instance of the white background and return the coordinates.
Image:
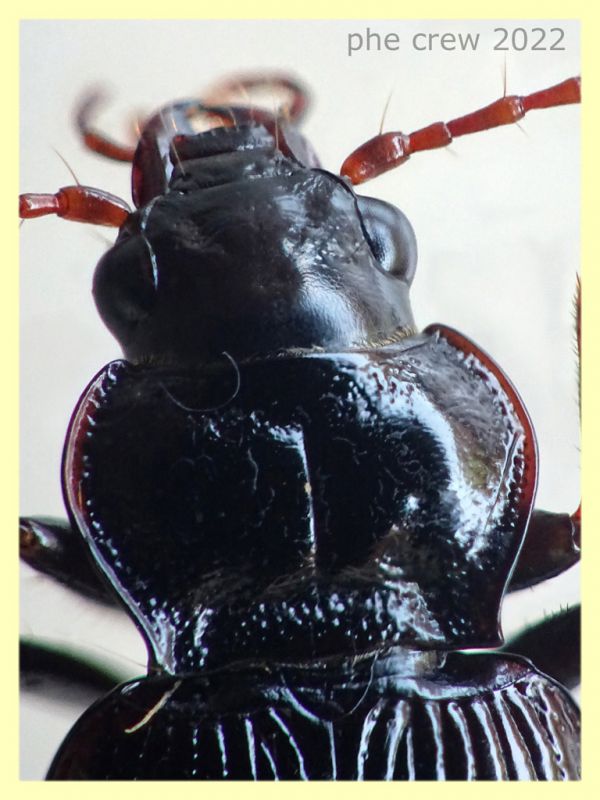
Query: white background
(496, 218)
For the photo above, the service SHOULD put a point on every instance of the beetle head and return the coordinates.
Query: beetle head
(254, 254)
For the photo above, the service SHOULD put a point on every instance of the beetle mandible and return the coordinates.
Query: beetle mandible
(338, 500)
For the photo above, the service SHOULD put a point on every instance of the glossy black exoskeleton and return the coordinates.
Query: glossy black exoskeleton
(306, 505)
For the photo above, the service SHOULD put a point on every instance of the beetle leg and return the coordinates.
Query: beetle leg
(95, 140)
(52, 547)
(553, 645)
(552, 545)
(293, 110)
(78, 204)
(389, 150)
(58, 674)
(553, 541)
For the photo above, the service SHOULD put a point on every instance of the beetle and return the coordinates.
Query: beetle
(410, 416)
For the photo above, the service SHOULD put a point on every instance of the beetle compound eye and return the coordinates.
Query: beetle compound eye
(125, 285)
(390, 236)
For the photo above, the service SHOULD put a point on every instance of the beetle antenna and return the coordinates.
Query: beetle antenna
(385, 109)
(94, 139)
(68, 166)
(521, 128)
(505, 91)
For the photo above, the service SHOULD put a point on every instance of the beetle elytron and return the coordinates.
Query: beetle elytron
(306, 505)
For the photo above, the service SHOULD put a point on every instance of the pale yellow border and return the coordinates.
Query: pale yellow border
(591, 345)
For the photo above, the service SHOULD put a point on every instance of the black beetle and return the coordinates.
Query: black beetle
(382, 482)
